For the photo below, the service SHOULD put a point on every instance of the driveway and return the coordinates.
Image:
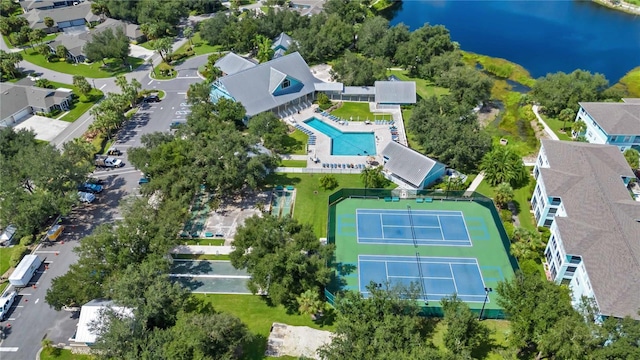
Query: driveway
(140, 52)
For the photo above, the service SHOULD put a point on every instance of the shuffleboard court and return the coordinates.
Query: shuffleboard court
(437, 277)
(412, 227)
(210, 276)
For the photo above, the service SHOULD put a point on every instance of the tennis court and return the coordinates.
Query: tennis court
(210, 276)
(412, 227)
(437, 277)
(445, 246)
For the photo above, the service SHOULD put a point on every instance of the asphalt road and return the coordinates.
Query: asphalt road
(31, 319)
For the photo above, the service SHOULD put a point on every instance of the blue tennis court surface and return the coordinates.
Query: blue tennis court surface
(441, 277)
(400, 227)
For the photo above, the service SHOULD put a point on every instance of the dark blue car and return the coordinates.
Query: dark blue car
(90, 188)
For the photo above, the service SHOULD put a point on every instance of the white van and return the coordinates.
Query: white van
(5, 304)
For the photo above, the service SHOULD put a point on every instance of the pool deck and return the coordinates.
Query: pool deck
(322, 148)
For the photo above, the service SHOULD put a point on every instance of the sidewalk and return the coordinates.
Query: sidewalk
(474, 184)
(547, 129)
(202, 249)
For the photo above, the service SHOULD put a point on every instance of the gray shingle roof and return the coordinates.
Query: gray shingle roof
(252, 86)
(283, 40)
(233, 63)
(616, 118)
(406, 163)
(80, 11)
(601, 218)
(323, 86)
(395, 92)
(75, 42)
(17, 97)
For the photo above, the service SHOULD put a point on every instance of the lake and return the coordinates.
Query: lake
(542, 36)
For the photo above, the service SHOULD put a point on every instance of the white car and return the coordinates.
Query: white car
(86, 197)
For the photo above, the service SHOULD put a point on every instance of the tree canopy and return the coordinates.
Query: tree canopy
(284, 258)
(501, 165)
(108, 44)
(38, 181)
(558, 91)
(354, 70)
(449, 132)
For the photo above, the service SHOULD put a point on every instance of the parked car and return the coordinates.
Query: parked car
(176, 124)
(90, 188)
(86, 197)
(93, 180)
(143, 180)
(114, 152)
(152, 98)
(108, 162)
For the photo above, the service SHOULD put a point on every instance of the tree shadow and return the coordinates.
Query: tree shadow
(276, 179)
(486, 346)
(328, 318)
(254, 349)
(291, 144)
(515, 207)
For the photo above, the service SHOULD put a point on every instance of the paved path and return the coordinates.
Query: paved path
(202, 249)
(474, 184)
(547, 129)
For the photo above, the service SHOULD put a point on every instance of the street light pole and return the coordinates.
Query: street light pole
(486, 297)
(94, 83)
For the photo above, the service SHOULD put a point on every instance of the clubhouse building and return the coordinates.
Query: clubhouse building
(612, 123)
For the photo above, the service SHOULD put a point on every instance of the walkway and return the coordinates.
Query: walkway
(547, 129)
(202, 249)
(474, 184)
(317, 170)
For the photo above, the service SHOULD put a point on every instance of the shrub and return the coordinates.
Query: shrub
(328, 182)
(190, 52)
(52, 57)
(506, 215)
(509, 228)
(26, 240)
(530, 267)
(545, 233)
(18, 252)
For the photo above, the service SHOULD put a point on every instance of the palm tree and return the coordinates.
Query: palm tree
(188, 33)
(502, 165)
(309, 303)
(566, 115)
(504, 194)
(48, 22)
(263, 44)
(578, 128)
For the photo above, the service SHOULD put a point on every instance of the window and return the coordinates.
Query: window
(537, 215)
(614, 138)
(553, 271)
(548, 222)
(553, 240)
(538, 189)
(286, 83)
(558, 257)
(552, 211)
(555, 201)
(575, 260)
(589, 134)
(565, 282)
(534, 202)
(637, 140)
(627, 139)
(577, 282)
(572, 269)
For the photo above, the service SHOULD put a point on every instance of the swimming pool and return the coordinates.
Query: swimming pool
(345, 143)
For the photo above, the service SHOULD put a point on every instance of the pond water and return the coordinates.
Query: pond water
(542, 36)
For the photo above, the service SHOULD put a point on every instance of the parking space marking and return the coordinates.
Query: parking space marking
(182, 112)
(35, 302)
(102, 87)
(149, 83)
(46, 251)
(8, 349)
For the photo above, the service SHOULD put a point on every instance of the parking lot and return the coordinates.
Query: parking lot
(30, 320)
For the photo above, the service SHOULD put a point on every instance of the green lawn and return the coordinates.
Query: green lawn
(556, 126)
(311, 204)
(159, 76)
(424, 88)
(5, 256)
(96, 70)
(294, 163)
(520, 199)
(630, 82)
(147, 45)
(200, 47)
(63, 354)
(259, 317)
(359, 111)
(200, 257)
(211, 242)
(296, 143)
(78, 108)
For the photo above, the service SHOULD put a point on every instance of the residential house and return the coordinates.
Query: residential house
(281, 44)
(307, 7)
(20, 101)
(65, 18)
(582, 194)
(28, 5)
(276, 85)
(612, 123)
(75, 41)
(408, 168)
(93, 316)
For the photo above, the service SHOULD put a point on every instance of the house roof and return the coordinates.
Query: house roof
(621, 118)
(35, 4)
(75, 42)
(283, 41)
(233, 63)
(80, 11)
(253, 86)
(359, 90)
(406, 163)
(601, 224)
(17, 97)
(395, 92)
(327, 86)
(91, 315)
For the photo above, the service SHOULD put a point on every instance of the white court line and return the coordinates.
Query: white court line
(440, 225)
(454, 278)
(417, 277)
(386, 270)
(212, 276)
(382, 226)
